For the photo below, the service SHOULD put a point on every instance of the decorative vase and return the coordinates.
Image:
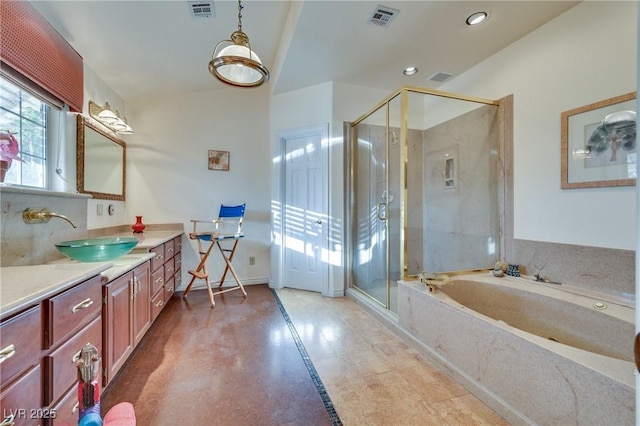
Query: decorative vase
(138, 227)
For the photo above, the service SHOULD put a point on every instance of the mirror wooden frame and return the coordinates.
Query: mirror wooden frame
(82, 123)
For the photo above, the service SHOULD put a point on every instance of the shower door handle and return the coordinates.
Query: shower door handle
(382, 211)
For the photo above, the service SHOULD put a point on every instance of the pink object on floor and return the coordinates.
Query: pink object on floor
(121, 414)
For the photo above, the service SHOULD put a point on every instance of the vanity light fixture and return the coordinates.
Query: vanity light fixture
(410, 71)
(108, 117)
(236, 64)
(477, 18)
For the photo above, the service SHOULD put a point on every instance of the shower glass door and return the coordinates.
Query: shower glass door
(378, 173)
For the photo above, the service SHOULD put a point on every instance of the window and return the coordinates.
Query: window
(27, 117)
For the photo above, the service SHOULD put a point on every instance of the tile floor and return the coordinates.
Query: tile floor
(238, 364)
(371, 375)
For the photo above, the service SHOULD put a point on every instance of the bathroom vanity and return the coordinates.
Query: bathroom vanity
(49, 312)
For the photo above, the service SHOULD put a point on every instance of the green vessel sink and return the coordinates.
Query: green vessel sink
(97, 249)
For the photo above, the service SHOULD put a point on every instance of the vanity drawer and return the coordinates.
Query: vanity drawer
(169, 249)
(177, 278)
(72, 310)
(60, 367)
(169, 269)
(177, 242)
(169, 289)
(157, 303)
(66, 410)
(23, 398)
(157, 281)
(157, 260)
(20, 343)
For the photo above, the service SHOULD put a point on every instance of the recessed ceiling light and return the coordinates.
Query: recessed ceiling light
(410, 71)
(477, 18)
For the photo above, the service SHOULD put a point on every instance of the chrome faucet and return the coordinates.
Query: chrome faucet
(42, 215)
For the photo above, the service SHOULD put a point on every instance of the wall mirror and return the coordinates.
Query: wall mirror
(100, 162)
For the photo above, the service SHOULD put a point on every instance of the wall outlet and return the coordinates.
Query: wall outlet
(252, 260)
(100, 209)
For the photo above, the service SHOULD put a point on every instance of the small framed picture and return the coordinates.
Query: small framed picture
(218, 160)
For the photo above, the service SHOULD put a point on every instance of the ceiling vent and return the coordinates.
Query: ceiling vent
(382, 16)
(440, 77)
(201, 9)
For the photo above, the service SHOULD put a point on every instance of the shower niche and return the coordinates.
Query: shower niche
(424, 190)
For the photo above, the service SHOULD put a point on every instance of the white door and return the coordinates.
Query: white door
(304, 209)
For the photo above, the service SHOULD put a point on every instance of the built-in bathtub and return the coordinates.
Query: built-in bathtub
(546, 354)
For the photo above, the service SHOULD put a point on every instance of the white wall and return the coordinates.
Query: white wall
(168, 180)
(586, 55)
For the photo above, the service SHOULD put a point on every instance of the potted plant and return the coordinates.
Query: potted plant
(9, 149)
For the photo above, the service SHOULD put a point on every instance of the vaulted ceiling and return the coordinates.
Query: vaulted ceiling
(145, 49)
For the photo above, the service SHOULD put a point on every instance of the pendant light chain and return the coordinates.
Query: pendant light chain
(240, 15)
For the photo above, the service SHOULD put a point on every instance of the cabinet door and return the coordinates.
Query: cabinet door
(118, 319)
(141, 309)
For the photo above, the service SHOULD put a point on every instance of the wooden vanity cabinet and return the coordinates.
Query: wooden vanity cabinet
(126, 317)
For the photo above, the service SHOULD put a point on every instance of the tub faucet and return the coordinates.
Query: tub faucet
(42, 215)
(541, 279)
(434, 282)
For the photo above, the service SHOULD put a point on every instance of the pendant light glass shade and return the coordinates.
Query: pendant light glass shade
(235, 63)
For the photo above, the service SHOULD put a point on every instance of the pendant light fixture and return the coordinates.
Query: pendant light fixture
(236, 64)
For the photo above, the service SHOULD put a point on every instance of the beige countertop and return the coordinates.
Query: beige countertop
(24, 286)
(149, 239)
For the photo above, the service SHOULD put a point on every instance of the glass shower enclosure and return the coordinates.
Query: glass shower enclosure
(423, 191)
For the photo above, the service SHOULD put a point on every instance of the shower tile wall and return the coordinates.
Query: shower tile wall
(460, 190)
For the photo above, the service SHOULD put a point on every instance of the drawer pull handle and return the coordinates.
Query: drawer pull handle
(9, 420)
(7, 353)
(160, 256)
(82, 305)
(170, 250)
(160, 303)
(169, 269)
(159, 279)
(75, 408)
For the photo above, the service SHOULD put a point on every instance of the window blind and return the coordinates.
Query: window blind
(33, 48)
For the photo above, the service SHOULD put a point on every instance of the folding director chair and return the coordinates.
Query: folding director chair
(226, 229)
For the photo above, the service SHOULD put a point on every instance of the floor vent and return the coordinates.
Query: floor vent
(382, 16)
(440, 77)
(201, 9)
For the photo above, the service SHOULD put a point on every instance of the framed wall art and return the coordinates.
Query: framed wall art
(218, 160)
(598, 143)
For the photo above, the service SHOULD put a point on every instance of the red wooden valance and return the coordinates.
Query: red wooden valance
(32, 47)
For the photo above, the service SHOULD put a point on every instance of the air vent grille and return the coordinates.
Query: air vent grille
(382, 16)
(201, 9)
(440, 77)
